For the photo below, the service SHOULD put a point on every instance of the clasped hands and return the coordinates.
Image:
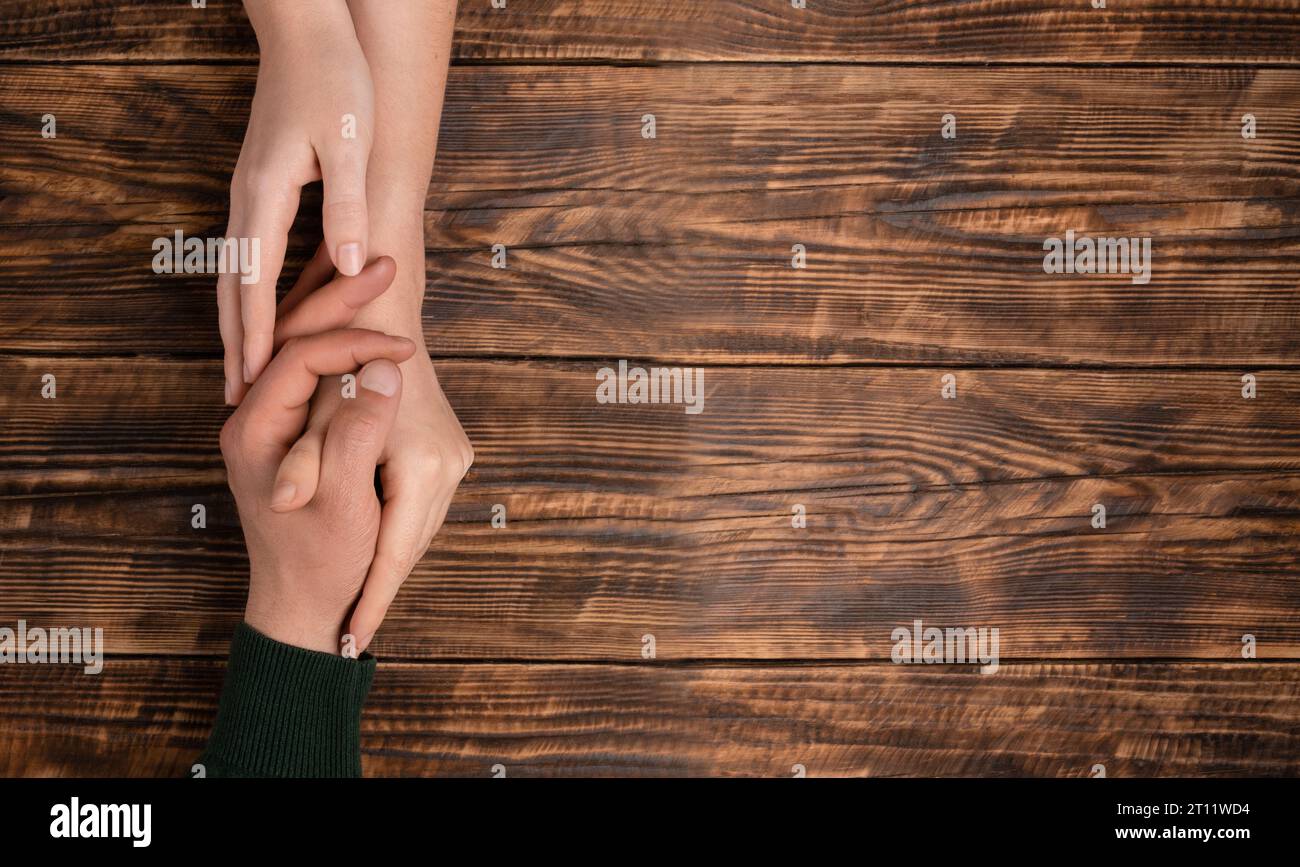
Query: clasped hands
(304, 446)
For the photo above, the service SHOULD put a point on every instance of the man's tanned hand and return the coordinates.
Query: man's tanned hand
(308, 565)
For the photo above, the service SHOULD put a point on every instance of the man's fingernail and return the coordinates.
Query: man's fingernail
(283, 495)
(248, 374)
(381, 377)
(350, 261)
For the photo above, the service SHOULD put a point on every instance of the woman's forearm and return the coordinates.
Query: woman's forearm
(408, 46)
(289, 21)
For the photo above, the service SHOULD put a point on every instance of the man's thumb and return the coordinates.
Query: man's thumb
(356, 435)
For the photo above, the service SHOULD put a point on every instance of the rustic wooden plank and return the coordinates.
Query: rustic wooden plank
(142, 30)
(151, 717)
(920, 250)
(625, 520)
(930, 31)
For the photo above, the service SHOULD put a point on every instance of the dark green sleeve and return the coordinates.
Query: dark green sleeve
(288, 712)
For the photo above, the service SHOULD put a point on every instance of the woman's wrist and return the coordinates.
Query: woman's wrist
(399, 233)
(287, 25)
(399, 315)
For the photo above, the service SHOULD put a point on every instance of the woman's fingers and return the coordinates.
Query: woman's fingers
(336, 303)
(401, 544)
(270, 211)
(343, 213)
(263, 206)
(437, 517)
(228, 316)
(232, 336)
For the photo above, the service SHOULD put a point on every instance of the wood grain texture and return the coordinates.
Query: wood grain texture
(632, 519)
(929, 31)
(920, 250)
(151, 718)
(522, 646)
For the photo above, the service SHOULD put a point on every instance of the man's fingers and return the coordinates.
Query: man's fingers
(343, 214)
(299, 473)
(291, 379)
(271, 210)
(276, 406)
(358, 431)
(315, 274)
(336, 303)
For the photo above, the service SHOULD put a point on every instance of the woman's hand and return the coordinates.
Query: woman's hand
(312, 119)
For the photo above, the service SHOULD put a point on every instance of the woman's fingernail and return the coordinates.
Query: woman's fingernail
(381, 377)
(350, 261)
(283, 495)
(248, 374)
(364, 642)
(227, 392)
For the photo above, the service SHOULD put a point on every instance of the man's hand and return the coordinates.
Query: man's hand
(422, 463)
(312, 119)
(308, 564)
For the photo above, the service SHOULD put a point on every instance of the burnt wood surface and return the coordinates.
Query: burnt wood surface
(524, 645)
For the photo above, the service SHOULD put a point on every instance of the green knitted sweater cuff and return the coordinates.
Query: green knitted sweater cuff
(288, 712)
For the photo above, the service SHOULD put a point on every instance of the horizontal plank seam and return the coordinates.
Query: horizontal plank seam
(752, 662)
(632, 63)
(901, 364)
(650, 63)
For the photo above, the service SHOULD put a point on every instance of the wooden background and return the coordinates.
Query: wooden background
(776, 126)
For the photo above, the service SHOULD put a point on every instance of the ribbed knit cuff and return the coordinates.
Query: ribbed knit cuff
(288, 712)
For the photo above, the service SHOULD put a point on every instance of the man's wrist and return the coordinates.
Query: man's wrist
(283, 621)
